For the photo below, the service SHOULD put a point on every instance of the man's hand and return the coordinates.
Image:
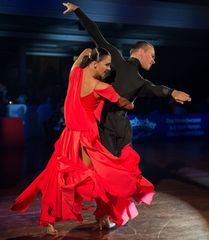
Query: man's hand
(70, 7)
(125, 103)
(180, 97)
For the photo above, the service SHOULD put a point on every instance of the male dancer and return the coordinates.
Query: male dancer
(115, 129)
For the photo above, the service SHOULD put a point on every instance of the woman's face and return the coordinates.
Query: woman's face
(102, 68)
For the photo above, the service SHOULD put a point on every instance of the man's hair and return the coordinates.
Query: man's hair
(140, 44)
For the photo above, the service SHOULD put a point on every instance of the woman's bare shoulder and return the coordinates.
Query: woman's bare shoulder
(101, 85)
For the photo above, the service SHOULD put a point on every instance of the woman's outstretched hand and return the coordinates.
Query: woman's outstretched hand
(70, 7)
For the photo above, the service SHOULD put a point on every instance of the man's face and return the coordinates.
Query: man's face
(103, 67)
(147, 57)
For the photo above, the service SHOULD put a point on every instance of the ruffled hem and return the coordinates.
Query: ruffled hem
(114, 183)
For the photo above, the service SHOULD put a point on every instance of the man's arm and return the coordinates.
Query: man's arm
(94, 32)
(150, 89)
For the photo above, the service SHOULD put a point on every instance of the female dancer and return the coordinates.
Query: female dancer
(81, 168)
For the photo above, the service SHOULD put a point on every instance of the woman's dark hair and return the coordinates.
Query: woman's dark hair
(97, 54)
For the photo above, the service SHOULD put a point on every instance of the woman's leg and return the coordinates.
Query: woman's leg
(85, 157)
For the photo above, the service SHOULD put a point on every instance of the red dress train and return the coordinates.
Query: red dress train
(114, 182)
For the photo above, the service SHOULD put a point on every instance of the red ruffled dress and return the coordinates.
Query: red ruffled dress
(114, 182)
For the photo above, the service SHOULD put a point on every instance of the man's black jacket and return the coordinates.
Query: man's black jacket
(115, 129)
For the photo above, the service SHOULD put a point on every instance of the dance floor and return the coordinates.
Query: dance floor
(180, 209)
